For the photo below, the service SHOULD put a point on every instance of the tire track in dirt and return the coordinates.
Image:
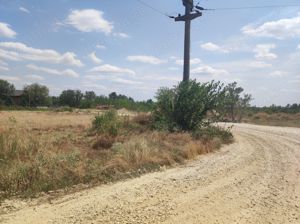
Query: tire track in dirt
(254, 180)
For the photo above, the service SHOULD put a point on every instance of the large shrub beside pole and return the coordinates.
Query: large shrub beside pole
(185, 106)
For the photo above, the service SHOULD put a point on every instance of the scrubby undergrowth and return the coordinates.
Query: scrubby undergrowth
(274, 119)
(42, 160)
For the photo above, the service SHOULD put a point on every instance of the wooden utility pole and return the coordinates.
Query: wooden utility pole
(187, 18)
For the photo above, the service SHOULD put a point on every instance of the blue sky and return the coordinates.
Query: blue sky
(126, 47)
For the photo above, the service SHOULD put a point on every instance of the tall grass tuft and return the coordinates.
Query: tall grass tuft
(107, 123)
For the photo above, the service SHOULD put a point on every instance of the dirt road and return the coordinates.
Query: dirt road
(255, 180)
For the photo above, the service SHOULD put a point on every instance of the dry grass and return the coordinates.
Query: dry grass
(44, 120)
(46, 151)
(142, 118)
(274, 119)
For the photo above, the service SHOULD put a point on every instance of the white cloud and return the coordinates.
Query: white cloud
(6, 31)
(263, 52)
(213, 47)
(94, 58)
(121, 35)
(179, 62)
(3, 68)
(100, 46)
(280, 29)
(278, 73)
(256, 64)
(243, 68)
(298, 47)
(173, 58)
(145, 59)
(10, 78)
(290, 90)
(91, 85)
(35, 77)
(124, 81)
(3, 63)
(158, 77)
(110, 69)
(23, 52)
(67, 72)
(89, 20)
(295, 81)
(9, 55)
(112, 79)
(95, 77)
(193, 61)
(23, 9)
(208, 70)
(173, 68)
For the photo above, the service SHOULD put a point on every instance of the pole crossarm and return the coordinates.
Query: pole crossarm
(188, 17)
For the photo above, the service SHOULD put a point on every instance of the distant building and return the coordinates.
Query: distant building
(16, 97)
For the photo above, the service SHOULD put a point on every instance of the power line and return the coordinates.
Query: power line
(253, 7)
(151, 7)
(216, 9)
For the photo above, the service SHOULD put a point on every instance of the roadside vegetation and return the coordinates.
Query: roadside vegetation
(37, 158)
(284, 116)
(42, 151)
(274, 119)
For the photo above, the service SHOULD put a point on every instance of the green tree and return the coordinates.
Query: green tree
(243, 106)
(186, 105)
(113, 96)
(234, 104)
(36, 95)
(55, 101)
(6, 90)
(88, 100)
(193, 100)
(90, 95)
(71, 98)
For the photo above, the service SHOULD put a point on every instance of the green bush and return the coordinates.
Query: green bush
(107, 123)
(209, 132)
(185, 106)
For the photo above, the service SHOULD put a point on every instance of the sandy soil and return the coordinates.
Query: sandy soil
(255, 180)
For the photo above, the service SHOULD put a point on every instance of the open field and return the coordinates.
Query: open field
(47, 151)
(255, 180)
(274, 119)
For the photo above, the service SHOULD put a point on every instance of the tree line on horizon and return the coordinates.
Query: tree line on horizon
(36, 95)
(232, 105)
(289, 108)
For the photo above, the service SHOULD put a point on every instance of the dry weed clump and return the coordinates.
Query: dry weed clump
(195, 148)
(142, 119)
(137, 153)
(153, 150)
(104, 142)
